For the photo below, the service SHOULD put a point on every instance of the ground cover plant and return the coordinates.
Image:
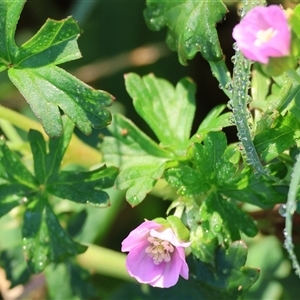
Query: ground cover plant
(97, 202)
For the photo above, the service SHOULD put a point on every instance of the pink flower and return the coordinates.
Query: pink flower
(156, 256)
(263, 33)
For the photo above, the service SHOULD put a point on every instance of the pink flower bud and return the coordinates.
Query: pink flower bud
(263, 33)
(156, 256)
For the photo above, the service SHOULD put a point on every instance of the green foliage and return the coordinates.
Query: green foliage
(280, 135)
(32, 69)
(227, 278)
(141, 160)
(44, 240)
(169, 112)
(214, 121)
(191, 26)
(74, 286)
(160, 105)
(211, 187)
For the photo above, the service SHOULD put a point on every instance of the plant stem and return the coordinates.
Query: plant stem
(104, 261)
(290, 209)
(220, 71)
(238, 103)
(10, 132)
(240, 99)
(78, 152)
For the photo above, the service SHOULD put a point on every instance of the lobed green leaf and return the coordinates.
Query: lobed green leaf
(44, 239)
(141, 160)
(11, 195)
(214, 121)
(46, 87)
(55, 43)
(228, 278)
(233, 218)
(47, 162)
(39, 152)
(191, 26)
(280, 136)
(49, 88)
(9, 15)
(84, 187)
(167, 110)
(255, 191)
(188, 181)
(15, 170)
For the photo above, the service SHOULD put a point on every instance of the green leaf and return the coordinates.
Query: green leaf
(46, 87)
(234, 219)
(9, 15)
(229, 278)
(204, 243)
(280, 136)
(247, 188)
(68, 281)
(208, 157)
(54, 43)
(209, 167)
(168, 111)
(188, 181)
(141, 160)
(49, 88)
(15, 170)
(47, 163)
(84, 187)
(44, 239)
(214, 121)
(11, 195)
(259, 89)
(39, 152)
(294, 108)
(58, 147)
(191, 26)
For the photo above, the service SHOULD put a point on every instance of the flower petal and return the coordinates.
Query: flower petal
(263, 33)
(184, 272)
(138, 235)
(140, 265)
(168, 235)
(171, 272)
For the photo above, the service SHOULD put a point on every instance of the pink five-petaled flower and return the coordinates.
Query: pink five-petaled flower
(263, 33)
(156, 256)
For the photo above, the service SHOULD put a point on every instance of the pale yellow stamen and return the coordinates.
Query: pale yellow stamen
(263, 36)
(159, 250)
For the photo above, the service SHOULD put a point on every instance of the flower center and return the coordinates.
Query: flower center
(263, 36)
(159, 250)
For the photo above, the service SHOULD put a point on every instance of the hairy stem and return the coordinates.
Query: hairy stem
(238, 103)
(290, 208)
(240, 99)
